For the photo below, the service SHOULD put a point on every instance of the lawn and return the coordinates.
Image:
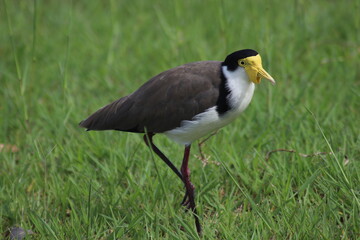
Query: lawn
(62, 60)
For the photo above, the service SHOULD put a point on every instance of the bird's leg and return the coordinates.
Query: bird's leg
(188, 199)
(149, 142)
(185, 202)
(190, 189)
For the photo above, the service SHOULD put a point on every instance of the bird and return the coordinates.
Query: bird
(185, 103)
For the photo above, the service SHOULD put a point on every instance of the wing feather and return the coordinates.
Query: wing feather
(163, 102)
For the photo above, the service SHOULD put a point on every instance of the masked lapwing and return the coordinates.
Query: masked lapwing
(185, 103)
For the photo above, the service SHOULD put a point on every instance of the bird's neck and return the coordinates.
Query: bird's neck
(240, 88)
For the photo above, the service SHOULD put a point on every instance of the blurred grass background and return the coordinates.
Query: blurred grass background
(61, 60)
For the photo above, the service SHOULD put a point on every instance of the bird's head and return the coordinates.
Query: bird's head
(250, 60)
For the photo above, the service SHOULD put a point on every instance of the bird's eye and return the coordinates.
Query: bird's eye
(242, 63)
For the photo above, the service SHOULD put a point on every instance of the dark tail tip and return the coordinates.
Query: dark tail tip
(84, 125)
(81, 124)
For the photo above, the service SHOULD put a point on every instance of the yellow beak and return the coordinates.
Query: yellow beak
(255, 71)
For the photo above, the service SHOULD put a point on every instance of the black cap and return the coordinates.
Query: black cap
(231, 61)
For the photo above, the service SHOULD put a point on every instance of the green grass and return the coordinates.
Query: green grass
(61, 60)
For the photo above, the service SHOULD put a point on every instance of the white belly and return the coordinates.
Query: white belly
(209, 121)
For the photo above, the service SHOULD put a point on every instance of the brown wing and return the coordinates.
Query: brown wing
(163, 102)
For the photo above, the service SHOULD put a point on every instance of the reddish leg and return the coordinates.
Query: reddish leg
(189, 198)
(190, 189)
(149, 143)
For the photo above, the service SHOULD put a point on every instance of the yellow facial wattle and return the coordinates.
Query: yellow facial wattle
(254, 69)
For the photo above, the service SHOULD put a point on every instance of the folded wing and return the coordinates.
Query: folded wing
(163, 102)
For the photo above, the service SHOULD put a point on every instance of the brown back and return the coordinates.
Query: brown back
(163, 102)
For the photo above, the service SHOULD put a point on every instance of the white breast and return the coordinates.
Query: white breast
(241, 92)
